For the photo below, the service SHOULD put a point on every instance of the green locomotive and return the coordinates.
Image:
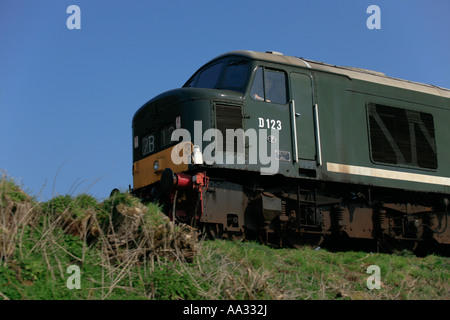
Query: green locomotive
(288, 149)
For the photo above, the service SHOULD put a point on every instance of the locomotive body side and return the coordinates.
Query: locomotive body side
(381, 136)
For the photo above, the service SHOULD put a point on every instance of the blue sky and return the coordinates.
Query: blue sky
(67, 97)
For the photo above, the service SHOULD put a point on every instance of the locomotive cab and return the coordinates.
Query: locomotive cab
(262, 105)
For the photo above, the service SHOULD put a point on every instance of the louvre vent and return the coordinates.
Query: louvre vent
(228, 117)
(402, 137)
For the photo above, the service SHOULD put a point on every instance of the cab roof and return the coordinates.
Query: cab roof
(353, 73)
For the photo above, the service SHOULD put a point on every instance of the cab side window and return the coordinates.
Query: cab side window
(269, 85)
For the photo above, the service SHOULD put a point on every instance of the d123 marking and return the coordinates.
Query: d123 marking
(269, 124)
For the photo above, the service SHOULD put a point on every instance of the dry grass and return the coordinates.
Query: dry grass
(127, 250)
(17, 210)
(115, 238)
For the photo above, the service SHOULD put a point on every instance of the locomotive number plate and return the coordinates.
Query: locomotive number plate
(269, 124)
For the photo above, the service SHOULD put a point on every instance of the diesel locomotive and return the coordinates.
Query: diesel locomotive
(290, 150)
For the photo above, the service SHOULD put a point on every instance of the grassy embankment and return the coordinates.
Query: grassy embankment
(125, 250)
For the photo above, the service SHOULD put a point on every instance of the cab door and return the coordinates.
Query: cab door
(302, 117)
(267, 110)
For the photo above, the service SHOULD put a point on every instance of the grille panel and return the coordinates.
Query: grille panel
(228, 117)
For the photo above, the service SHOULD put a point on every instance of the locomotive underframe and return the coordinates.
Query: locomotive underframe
(286, 212)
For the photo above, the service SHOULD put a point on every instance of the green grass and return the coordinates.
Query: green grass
(126, 250)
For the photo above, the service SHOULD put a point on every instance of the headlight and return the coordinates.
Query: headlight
(156, 165)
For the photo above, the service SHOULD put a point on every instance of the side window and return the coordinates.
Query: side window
(270, 86)
(257, 91)
(402, 137)
(275, 86)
